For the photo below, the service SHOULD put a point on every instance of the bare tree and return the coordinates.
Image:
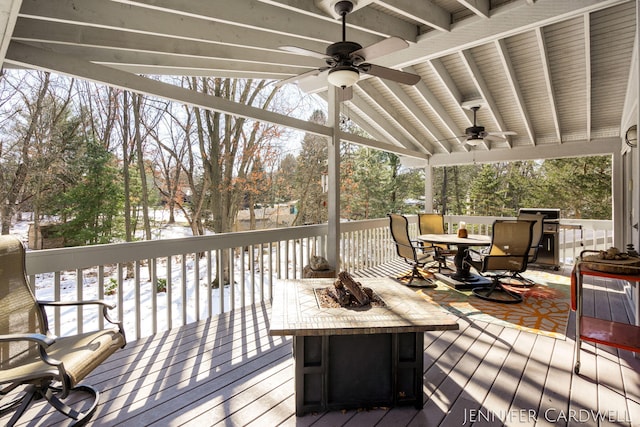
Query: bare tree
(43, 106)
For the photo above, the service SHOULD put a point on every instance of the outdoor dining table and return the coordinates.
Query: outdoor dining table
(462, 274)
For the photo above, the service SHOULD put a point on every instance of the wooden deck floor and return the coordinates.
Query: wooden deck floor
(229, 371)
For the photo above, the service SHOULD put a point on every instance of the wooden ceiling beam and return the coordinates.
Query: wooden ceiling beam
(587, 56)
(365, 19)
(404, 99)
(400, 123)
(438, 109)
(425, 12)
(553, 106)
(8, 16)
(483, 90)
(479, 7)
(32, 57)
(503, 53)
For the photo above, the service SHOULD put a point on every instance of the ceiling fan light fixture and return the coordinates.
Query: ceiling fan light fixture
(343, 76)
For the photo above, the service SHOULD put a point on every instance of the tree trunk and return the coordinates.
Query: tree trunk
(126, 177)
(22, 171)
(137, 101)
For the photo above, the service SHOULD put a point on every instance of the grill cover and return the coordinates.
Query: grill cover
(550, 214)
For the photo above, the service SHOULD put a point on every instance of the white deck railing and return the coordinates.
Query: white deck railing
(158, 285)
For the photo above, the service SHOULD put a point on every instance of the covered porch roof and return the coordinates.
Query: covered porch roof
(558, 73)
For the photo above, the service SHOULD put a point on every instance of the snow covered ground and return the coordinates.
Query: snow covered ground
(139, 292)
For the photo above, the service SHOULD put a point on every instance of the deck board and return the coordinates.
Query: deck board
(228, 371)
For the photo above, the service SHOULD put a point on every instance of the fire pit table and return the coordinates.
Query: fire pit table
(356, 357)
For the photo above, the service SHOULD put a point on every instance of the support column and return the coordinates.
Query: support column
(635, 170)
(617, 214)
(333, 194)
(428, 188)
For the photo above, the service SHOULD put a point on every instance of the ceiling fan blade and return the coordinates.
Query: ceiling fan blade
(505, 133)
(390, 74)
(301, 76)
(302, 51)
(383, 47)
(496, 138)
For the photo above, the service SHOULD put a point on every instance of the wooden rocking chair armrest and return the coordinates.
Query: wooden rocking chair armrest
(41, 339)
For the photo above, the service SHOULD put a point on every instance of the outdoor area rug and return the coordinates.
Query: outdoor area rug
(545, 309)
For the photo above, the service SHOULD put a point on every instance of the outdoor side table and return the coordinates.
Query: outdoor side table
(596, 330)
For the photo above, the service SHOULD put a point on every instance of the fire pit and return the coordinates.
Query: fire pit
(356, 357)
(347, 293)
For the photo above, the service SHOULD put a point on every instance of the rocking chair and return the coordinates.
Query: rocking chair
(31, 357)
(409, 250)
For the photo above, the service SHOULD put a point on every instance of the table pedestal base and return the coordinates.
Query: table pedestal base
(358, 371)
(474, 281)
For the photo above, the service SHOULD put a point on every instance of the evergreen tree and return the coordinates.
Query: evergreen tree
(92, 201)
(486, 192)
(581, 186)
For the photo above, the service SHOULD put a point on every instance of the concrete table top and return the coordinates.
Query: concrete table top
(296, 311)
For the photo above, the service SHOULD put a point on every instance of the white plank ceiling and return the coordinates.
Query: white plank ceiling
(556, 72)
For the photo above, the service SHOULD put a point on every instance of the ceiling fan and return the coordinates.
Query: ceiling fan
(346, 60)
(475, 134)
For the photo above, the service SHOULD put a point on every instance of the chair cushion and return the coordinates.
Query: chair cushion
(80, 354)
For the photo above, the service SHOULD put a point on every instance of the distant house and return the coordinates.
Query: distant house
(267, 217)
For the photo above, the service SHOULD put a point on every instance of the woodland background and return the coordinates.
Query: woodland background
(99, 160)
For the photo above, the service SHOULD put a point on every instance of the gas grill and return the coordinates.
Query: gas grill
(549, 252)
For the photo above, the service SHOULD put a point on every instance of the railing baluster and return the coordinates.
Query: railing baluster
(120, 292)
(262, 271)
(154, 295)
(196, 283)
(209, 285)
(278, 261)
(100, 285)
(243, 300)
(300, 264)
(287, 259)
(220, 275)
(183, 283)
(79, 309)
(169, 293)
(136, 299)
(57, 297)
(294, 261)
(252, 271)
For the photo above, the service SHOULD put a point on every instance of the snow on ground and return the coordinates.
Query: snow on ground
(139, 293)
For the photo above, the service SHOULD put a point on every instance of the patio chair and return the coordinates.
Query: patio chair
(409, 250)
(36, 364)
(508, 254)
(432, 223)
(536, 242)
